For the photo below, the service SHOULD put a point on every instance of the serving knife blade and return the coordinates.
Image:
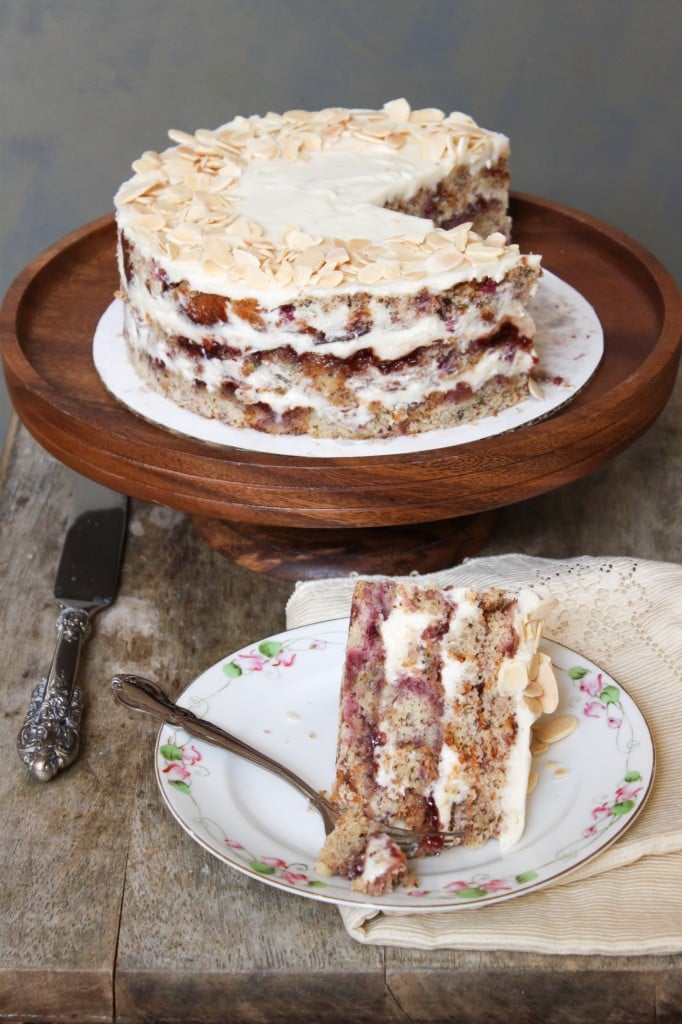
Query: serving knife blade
(86, 581)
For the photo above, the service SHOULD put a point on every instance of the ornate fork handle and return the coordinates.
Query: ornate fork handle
(141, 694)
(49, 738)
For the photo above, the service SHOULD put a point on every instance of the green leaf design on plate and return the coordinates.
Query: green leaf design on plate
(632, 776)
(182, 787)
(577, 672)
(526, 876)
(270, 648)
(317, 885)
(472, 893)
(610, 695)
(232, 670)
(170, 752)
(624, 807)
(263, 869)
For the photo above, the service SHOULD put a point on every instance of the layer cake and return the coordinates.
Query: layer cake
(339, 273)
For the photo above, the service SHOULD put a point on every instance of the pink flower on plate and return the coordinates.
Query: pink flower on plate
(592, 686)
(614, 722)
(455, 886)
(190, 755)
(318, 645)
(233, 844)
(627, 792)
(602, 811)
(293, 877)
(176, 771)
(418, 892)
(254, 661)
(496, 885)
(589, 832)
(273, 862)
(285, 659)
(592, 709)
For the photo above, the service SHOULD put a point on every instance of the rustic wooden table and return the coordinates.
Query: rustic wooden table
(109, 911)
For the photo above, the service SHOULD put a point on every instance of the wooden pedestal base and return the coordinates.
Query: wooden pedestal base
(298, 553)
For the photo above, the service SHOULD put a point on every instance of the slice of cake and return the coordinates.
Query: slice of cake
(439, 692)
(340, 273)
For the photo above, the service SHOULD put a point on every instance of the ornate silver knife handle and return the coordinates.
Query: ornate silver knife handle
(49, 738)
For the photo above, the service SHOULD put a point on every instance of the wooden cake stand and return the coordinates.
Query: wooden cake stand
(305, 517)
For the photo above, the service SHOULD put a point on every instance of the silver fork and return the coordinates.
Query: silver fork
(140, 694)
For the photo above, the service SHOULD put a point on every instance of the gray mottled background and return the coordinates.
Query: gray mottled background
(588, 91)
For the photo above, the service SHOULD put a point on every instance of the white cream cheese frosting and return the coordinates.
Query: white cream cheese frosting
(270, 206)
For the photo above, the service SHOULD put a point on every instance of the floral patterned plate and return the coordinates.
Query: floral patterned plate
(281, 695)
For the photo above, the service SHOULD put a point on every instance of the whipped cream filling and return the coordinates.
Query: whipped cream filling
(388, 340)
(267, 384)
(380, 858)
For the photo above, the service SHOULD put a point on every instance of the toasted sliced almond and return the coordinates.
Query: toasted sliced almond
(547, 681)
(533, 689)
(533, 705)
(299, 240)
(290, 147)
(397, 110)
(245, 258)
(427, 115)
(372, 273)
(535, 389)
(480, 256)
(557, 728)
(149, 221)
(532, 780)
(312, 257)
(184, 138)
(513, 677)
(331, 279)
(302, 116)
(537, 748)
(443, 259)
(219, 251)
(256, 277)
(434, 145)
(284, 274)
(186, 234)
(302, 275)
(137, 186)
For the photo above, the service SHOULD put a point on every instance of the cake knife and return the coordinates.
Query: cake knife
(87, 580)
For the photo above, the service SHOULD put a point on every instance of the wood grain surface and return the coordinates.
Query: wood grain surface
(50, 313)
(109, 911)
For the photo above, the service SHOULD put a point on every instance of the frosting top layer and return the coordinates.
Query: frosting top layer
(295, 201)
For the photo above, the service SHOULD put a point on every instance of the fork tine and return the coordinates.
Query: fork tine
(429, 842)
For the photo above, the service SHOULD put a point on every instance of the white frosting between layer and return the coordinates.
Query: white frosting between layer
(400, 633)
(379, 858)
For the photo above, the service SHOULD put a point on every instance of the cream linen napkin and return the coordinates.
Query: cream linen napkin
(626, 616)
